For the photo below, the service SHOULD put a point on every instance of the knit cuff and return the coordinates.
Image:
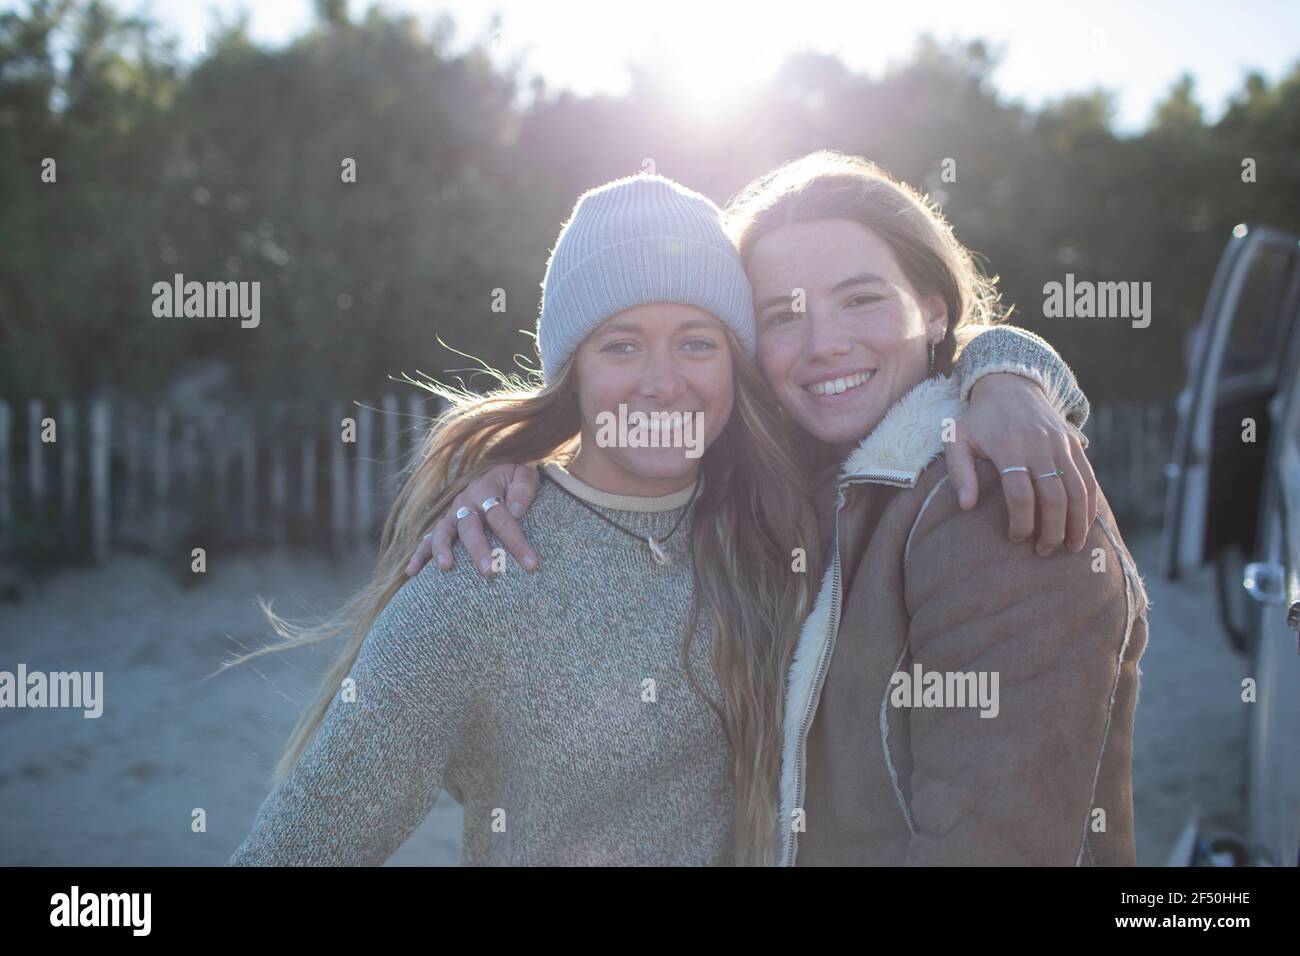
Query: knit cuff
(1008, 348)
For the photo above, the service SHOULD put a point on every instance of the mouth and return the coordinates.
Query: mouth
(665, 421)
(837, 386)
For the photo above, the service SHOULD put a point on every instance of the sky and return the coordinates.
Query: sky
(715, 49)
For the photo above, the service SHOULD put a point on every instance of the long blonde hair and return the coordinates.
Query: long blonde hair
(752, 514)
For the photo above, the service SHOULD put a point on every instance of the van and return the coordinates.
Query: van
(1234, 502)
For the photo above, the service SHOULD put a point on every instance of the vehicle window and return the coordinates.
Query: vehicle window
(1260, 325)
(1293, 426)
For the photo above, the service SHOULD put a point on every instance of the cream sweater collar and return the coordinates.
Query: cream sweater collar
(604, 499)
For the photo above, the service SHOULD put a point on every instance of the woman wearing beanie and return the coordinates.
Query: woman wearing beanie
(619, 706)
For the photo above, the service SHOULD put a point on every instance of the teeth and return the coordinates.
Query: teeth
(836, 385)
(668, 422)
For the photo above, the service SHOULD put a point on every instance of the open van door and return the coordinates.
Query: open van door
(1216, 475)
(1273, 776)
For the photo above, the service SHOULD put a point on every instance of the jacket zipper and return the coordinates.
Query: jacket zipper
(801, 745)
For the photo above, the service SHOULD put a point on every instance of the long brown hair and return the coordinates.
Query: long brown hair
(832, 185)
(752, 515)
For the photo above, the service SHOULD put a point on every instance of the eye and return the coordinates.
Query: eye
(863, 299)
(619, 348)
(700, 345)
(776, 319)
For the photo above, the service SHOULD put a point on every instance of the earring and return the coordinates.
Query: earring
(931, 358)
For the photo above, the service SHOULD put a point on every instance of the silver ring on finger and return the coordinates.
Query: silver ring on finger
(490, 503)
(1051, 474)
(1006, 471)
(462, 513)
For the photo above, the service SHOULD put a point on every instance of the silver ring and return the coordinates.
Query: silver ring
(490, 503)
(1007, 471)
(462, 513)
(1051, 474)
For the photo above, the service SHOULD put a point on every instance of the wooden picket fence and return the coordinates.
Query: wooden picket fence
(85, 477)
(128, 475)
(1130, 447)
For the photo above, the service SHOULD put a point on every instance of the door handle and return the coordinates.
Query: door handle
(1265, 582)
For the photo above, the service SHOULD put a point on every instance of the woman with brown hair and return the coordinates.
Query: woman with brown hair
(954, 699)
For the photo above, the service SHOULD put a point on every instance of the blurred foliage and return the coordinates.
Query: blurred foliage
(229, 168)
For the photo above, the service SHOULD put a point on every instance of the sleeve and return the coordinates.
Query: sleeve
(1008, 348)
(370, 774)
(1056, 639)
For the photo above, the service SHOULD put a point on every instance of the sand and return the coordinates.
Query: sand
(122, 789)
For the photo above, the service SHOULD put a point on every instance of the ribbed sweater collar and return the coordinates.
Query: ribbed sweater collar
(604, 499)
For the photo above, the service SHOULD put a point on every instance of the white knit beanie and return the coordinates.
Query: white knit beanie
(635, 241)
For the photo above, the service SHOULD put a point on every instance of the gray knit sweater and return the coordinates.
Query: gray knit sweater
(1008, 348)
(553, 706)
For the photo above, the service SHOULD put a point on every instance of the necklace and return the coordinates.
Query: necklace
(656, 547)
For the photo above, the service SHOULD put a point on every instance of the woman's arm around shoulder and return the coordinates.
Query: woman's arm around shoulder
(999, 349)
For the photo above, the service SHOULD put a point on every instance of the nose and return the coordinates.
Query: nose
(661, 379)
(825, 339)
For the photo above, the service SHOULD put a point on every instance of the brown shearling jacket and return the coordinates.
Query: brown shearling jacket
(955, 699)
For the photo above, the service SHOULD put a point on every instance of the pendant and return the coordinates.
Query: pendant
(657, 550)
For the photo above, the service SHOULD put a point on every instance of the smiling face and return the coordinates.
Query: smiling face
(662, 357)
(862, 340)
